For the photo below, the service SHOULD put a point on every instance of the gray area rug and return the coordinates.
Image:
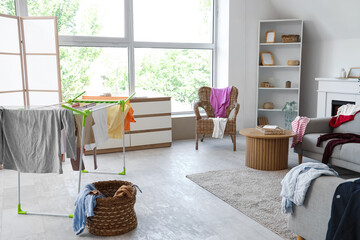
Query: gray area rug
(254, 193)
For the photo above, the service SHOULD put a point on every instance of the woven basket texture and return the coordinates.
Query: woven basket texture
(289, 38)
(112, 215)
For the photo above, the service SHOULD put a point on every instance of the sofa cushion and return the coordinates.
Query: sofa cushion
(351, 152)
(349, 127)
(309, 144)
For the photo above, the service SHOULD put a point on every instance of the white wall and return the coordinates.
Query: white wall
(242, 53)
(331, 41)
(222, 49)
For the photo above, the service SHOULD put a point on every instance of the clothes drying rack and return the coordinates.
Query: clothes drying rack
(85, 113)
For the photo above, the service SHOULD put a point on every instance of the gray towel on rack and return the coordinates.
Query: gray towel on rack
(30, 140)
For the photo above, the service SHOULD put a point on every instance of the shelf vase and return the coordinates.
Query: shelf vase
(289, 117)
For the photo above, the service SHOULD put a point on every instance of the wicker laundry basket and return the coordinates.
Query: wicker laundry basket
(112, 215)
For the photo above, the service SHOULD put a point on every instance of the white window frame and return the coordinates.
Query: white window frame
(128, 41)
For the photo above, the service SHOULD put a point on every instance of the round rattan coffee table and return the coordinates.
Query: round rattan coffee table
(266, 152)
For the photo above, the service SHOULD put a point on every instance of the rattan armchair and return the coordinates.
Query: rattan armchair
(206, 125)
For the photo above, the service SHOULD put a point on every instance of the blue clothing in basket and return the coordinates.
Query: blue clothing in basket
(84, 207)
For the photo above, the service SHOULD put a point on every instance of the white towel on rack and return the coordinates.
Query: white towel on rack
(100, 128)
(219, 127)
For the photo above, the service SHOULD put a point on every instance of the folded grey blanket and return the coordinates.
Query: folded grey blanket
(30, 140)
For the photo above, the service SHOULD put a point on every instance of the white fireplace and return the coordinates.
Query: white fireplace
(334, 91)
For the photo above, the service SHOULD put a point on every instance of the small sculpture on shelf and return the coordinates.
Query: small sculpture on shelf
(266, 85)
(290, 113)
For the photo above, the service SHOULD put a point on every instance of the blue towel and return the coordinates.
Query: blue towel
(84, 207)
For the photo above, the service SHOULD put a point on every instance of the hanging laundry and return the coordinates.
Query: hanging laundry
(89, 138)
(100, 128)
(100, 132)
(220, 100)
(114, 120)
(219, 127)
(30, 140)
(88, 134)
(113, 126)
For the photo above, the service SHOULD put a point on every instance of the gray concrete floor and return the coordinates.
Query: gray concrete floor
(170, 207)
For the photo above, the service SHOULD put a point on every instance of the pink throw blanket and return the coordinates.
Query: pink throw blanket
(299, 126)
(220, 100)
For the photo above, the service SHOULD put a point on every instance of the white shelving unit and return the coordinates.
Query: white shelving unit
(279, 73)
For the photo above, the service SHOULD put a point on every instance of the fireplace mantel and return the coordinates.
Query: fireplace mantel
(342, 89)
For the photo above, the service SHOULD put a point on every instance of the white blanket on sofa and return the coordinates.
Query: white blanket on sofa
(296, 183)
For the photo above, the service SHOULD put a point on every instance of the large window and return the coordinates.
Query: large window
(153, 47)
(173, 72)
(7, 7)
(83, 17)
(187, 21)
(95, 70)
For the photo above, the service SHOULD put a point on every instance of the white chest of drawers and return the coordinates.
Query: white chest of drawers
(151, 130)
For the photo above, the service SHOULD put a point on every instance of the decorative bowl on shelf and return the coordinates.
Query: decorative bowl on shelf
(268, 105)
(293, 62)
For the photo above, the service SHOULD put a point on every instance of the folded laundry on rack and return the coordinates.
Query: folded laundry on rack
(30, 140)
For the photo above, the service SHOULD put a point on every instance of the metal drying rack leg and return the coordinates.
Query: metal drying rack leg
(81, 150)
(20, 211)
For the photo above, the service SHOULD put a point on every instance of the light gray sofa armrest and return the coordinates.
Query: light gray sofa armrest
(318, 125)
(310, 220)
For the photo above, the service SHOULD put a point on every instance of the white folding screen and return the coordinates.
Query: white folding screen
(31, 68)
(12, 88)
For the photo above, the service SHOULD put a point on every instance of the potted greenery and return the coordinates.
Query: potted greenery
(290, 113)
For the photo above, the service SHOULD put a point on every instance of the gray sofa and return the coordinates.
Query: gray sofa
(310, 221)
(345, 156)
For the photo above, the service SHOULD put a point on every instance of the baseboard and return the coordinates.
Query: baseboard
(133, 148)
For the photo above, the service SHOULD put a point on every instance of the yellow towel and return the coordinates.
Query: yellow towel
(114, 120)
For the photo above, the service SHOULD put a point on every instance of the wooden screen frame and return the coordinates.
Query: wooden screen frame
(20, 54)
(27, 90)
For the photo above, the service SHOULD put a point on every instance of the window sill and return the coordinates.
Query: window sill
(186, 115)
